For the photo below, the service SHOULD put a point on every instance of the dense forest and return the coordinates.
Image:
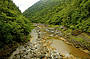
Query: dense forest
(13, 25)
(74, 14)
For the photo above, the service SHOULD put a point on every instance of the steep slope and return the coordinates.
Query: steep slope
(13, 25)
(74, 14)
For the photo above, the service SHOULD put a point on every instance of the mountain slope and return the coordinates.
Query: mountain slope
(74, 14)
(13, 25)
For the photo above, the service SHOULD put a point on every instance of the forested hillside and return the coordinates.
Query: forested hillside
(74, 14)
(13, 25)
(50, 29)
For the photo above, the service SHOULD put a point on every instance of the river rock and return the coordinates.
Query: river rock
(36, 48)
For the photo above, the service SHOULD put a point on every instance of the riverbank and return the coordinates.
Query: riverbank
(76, 38)
(48, 42)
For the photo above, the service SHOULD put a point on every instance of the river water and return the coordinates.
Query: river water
(69, 50)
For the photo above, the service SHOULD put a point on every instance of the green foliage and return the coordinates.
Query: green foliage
(13, 25)
(74, 14)
(78, 39)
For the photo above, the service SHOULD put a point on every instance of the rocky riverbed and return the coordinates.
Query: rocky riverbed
(47, 43)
